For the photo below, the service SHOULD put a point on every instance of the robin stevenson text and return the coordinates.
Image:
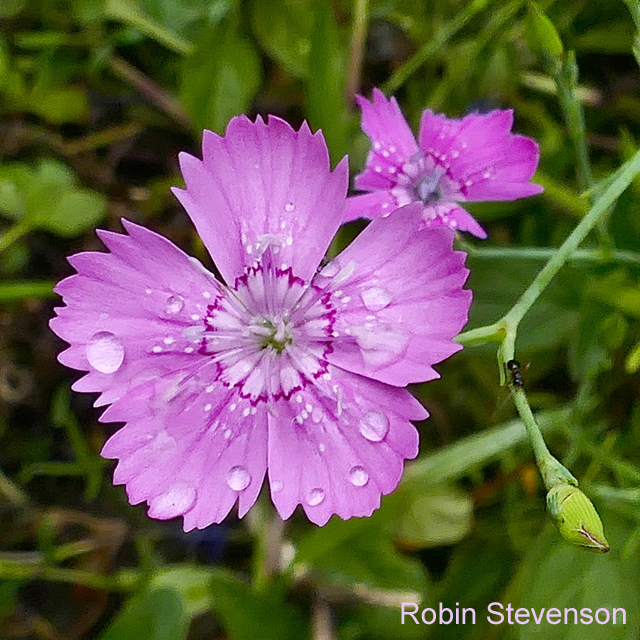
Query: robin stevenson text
(497, 613)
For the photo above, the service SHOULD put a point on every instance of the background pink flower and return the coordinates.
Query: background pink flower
(280, 370)
(472, 159)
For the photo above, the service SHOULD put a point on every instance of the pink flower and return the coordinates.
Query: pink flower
(472, 159)
(280, 369)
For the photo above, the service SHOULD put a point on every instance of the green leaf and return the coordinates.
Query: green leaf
(247, 615)
(361, 550)
(155, 614)
(326, 82)
(192, 585)
(284, 28)
(221, 77)
(498, 282)
(542, 35)
(11, 8)
(161, 21)
(75, 212)
(562, 576)
(59, 105)
(438, 516)
(47, 197)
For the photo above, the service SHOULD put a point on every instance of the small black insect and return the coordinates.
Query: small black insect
(516, 374)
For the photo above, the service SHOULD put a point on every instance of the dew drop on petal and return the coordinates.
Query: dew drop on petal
(358, 476)
(174, 304)
(105, 352)
(238, 478)
(289, 207)
(374, 426)
(315, 497)
(376, 298)
(177, 500)
(276, 486)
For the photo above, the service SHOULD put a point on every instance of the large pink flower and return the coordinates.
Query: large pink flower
(472, 159)
(284, 369)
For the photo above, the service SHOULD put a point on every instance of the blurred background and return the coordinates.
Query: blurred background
(96, 99)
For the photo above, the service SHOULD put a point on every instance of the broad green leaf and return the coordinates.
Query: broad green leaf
(59, 105)
(47, 197)
(284, 29)
(163, 22)
(247, 615)
(326, 82)
(542, 35)
(220, 78)
(192, 585)
(75, 212)
(154, 614)
(561, 576)
(439, 516)
(361, 551)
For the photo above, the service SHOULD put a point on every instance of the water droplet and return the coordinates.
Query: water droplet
(105, 352)
(358, 476)
(177, 500)
(374, 426)
(238, 478)
(376, 298)
(289, 207)
(315, 497)
(276, 486)
(174, 305)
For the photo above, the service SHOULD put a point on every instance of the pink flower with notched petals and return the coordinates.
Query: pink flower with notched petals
(472, 159)
(282, 369)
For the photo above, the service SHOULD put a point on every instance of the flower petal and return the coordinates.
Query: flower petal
(481, 154)
(338, 446)
(369, 205)
(190, 447)
(132, 314)
(392, 142)
(398, 294)
(264, 185)
(447, 214)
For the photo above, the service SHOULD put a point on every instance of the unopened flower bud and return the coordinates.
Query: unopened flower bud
(576, 517)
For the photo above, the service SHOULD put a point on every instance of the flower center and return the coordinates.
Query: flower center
(270, 334)
(427, 187)
(279, 334)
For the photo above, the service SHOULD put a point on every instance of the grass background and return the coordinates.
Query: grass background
(96, 99)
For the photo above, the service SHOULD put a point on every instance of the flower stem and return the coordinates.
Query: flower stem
(552, 471)
(434, 45)
(15, 233)
(620, 182)
(358, 38)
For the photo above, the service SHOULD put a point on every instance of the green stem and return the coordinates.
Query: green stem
(15, 233)
(434, 45)
(622, 179)
(552, 471)
(358, 38)
(29, 568)
(490, 333)
(596, 256)
(566, 78)
(21, 290)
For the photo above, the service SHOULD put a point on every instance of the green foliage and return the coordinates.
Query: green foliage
(96, 98)
(220, 77)
(153, 614)
(47, 197)
(247, 615)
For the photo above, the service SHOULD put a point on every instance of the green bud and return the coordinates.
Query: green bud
(576, 517)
